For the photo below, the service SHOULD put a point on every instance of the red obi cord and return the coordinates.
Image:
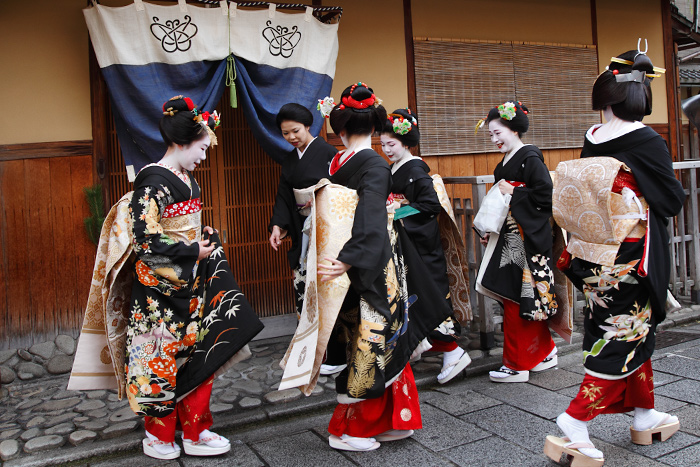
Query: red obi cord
(180, 209)
(516, 184)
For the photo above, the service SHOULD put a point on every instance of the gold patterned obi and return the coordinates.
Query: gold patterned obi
(598, 219)
(182, 221)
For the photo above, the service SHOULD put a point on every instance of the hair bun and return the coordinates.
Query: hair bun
(643, 63)
(359, 96)
(178, 104)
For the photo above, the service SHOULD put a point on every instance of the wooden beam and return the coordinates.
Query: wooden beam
(410, 61)
(594, 23)
(99, 105)
(11, 152)
(672, 86)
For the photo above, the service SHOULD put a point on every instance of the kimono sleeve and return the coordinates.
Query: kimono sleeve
(366, 247)
(531, 205)
(146, 206)
(422, 195)
(656, 179)
(284, 205)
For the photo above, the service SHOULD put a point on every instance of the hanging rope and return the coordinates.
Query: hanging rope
(231, 74)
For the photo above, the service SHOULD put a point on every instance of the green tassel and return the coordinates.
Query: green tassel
(231, 76)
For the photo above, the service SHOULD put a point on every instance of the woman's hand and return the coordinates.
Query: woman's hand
(277, 236)
(505, 187)
(485, 239)
(209, 230)
(393, 206)
(332, 271)
(205, 249)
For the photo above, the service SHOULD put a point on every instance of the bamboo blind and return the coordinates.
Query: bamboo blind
(458, 82)
(239, 184)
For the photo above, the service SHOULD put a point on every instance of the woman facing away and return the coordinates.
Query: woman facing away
(517, 266)
(625, 298)
(185, 318)
(378, 399)
(303, 167)
(413, 186)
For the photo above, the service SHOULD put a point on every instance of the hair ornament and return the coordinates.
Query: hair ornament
(203, 119)
(479, 124)
(349, 101)
(401, 125)
(169, 111)
(325, 106)
(507, 111)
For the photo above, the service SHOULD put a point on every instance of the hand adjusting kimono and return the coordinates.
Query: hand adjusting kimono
(168, 327)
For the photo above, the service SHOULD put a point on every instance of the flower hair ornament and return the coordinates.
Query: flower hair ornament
(325, 106)
(168, 110)
(506, 111)
(204, 119)
(400, 124)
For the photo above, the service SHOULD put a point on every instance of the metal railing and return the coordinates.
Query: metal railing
(684, 233)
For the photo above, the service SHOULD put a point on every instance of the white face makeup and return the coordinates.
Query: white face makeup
(503, 137)
(296, 134)
(393, 148)
(191, 155)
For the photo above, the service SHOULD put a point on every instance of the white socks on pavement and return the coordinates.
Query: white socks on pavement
(577, 432)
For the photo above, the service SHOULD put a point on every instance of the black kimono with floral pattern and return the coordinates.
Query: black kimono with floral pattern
(521, 265)
(188, 317)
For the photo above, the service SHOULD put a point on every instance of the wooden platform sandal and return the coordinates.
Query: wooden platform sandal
(554, 447)
(661, 432)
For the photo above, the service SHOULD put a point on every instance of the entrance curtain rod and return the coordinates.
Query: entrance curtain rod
(332, 11)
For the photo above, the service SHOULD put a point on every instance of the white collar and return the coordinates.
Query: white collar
(510, 154)
(397, 165)
(301, 153)
(615, 128)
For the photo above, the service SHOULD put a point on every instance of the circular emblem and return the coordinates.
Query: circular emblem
(406, 414)
(302, 356)
(104, 356)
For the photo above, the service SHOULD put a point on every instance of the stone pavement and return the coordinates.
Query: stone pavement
(469, 421)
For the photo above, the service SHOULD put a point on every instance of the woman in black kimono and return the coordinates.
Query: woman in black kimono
(187, 315)
(413, 186)
(519, 269)
(378, 400)
(626, 301)
(303, 167)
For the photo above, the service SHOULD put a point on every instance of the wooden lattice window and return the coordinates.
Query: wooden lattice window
(458, 82)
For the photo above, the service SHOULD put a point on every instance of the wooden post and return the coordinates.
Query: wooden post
(410, 60)
(671, 79)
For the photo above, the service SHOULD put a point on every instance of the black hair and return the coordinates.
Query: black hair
(409, 139)
(519, 123)
(358, 113)
(295, 113)
(629, 100)
(178, 124)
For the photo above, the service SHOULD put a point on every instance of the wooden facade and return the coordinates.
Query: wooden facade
(46, 258)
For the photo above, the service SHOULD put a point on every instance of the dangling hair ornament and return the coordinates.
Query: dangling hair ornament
(325, 106)
(203, 119)
(479, 124)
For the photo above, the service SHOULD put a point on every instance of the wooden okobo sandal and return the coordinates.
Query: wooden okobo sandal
(661, 432)
(554, 447)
